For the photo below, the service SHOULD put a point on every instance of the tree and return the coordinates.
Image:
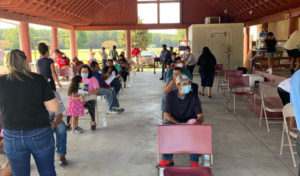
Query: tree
(109, 44)
(82, 39)
(180, 33)
(12, 35)
(5, 44)
(139, 38)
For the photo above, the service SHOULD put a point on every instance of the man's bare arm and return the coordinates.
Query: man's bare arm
(200, 119)
(168, 117)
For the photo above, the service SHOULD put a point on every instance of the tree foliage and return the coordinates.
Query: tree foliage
(82, 39)
(5, 44)
(109, 44)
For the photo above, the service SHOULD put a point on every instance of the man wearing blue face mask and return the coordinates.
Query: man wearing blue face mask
(181, 106)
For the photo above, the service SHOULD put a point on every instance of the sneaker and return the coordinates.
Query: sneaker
(292, 71)
(112, 112)
(270, 71)
(118, 109)
(164, 163)
(81, 129)
(76, 131)
(194, 164)
(161, 79)
(62, 161)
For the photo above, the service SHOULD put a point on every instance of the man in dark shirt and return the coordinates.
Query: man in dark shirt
(107, 71)
(111, 97)
(165, 55)
(181, 106)
(171, 61)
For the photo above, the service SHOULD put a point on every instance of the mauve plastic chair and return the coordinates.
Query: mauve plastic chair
(238, 82)
(185, 139)
(66, 72)
(229, 73)
(76, 68)
(188, 171)
(218, 69)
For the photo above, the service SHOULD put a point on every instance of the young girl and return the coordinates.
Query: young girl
(75, 103)
(271, 42)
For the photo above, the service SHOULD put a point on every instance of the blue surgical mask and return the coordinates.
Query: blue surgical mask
(186, 89)
(84, 75)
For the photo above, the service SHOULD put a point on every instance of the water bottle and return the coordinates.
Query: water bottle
(207, 160)
(104, 122)
(160, 121)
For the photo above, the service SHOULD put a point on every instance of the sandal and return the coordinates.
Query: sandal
(93, 127)
(201, 94)
(209, 96)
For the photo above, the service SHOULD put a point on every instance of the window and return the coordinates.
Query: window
(158, 11)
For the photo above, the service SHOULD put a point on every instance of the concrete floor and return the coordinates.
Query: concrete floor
(128, 145)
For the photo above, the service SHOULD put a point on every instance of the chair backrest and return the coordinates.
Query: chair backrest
(269, 92)
(190, 171)
(193, 139)
(104, 83)
(238, 82)
(219, 67)
(288, 111)
(66, 72)
(76, 68)
(231, 73)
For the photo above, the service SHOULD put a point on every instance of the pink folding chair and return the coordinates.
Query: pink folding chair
(66, 72)
(218, 69)
(76, 68)
(185, 139)
(238, 82)
(229, 73)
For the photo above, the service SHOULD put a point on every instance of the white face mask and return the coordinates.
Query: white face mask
(187, 52)
(180, 65)
(115, 63)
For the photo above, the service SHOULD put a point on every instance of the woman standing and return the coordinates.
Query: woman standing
(207, 62)
(270, 43)
(189, 59)
(45, 66)
(104, 56)
(88, 78)
(25, 99)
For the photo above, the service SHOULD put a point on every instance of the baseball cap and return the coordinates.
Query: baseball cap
(182, 79)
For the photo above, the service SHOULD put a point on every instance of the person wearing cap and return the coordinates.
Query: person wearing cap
(165, 55)
(181, 106)
(292, 48)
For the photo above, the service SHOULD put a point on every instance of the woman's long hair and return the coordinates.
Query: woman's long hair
(74, 86)
(58, 51)
(16, 61)
(206, 56)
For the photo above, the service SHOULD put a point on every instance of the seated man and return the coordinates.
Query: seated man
(181, 106)
(111, 97)
(171, 61)
(178, 63)
(177, 59)
(4, 163)
(60, 129)
(107, 71)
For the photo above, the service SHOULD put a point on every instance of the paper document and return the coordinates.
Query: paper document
(110, 78)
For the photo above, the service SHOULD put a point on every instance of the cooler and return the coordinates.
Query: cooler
(253, 78)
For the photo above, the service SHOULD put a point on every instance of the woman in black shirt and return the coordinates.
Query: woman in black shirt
(207, 62)
(25, 99)
(270, 42)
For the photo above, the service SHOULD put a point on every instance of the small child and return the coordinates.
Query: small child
(75, 103)
(270, 42)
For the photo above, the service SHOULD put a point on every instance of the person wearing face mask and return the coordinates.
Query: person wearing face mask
(181, 106)
(171, 49)
(178, 63)
(165, 55)
(107, 71)
(115, 63)
(45, 66)
(189, 59)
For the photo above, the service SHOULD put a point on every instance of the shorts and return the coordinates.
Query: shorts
(3, 159)
(270, 54)
(284, 96)
(295, 53)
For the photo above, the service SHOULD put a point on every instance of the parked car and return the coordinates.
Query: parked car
(148, 58)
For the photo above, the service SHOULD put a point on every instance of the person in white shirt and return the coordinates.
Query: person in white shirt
(91, 54)
(284, 89)
(104, 56)
(189, 59)
(2, 55)
(292, 47)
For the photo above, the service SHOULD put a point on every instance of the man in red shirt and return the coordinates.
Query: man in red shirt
(136, 52)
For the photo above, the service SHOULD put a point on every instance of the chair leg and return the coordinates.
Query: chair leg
(260, 118)
(218, 81)
(212, 159)
(282, 139)
(233, 103)
(266, 120)
(291, 148)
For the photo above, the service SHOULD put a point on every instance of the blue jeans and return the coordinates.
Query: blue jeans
(193, 157)
(61, 138)
(111, 97)
(19, 145)
(163, 99)
(117, 85)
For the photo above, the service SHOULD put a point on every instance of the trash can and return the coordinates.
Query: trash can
(244, 69)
